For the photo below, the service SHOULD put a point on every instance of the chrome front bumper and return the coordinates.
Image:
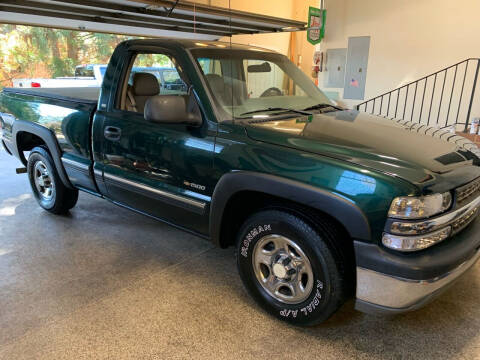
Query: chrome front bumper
(381, 293)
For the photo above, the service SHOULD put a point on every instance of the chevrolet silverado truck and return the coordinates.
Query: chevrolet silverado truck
(322, 204)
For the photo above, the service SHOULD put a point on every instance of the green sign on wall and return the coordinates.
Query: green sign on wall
(316, 25)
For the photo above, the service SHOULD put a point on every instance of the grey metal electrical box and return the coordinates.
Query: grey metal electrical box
(335, 68)
(356, 70)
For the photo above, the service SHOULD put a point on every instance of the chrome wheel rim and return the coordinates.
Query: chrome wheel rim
(282, 269)
(43, 181)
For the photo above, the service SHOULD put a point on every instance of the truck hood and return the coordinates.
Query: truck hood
(372, 142)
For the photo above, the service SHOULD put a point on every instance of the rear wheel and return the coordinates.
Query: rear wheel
(47, 187)
(289, 268)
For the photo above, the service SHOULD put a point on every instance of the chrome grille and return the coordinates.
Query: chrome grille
(467, 193)
(464, 220)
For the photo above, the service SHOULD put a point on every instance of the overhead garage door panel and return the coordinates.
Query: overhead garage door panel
(143, 17)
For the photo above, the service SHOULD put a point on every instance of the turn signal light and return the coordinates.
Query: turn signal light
(415, 243)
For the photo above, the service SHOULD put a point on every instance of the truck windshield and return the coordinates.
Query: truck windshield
(246, 84)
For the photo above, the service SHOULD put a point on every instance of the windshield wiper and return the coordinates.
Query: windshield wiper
(276, 109)
(322, 106)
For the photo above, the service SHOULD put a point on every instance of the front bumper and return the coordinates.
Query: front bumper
(388, 282)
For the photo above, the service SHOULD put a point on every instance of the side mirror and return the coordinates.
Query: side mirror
(259, 68)
(173, 109)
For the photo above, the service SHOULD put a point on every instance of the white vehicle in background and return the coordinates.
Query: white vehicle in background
(89, 75)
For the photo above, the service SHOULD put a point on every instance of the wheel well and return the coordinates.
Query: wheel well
(27, 141)
(245, 203)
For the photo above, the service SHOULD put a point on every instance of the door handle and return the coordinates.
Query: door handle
(112, 133)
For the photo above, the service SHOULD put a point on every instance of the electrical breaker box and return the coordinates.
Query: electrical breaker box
(335, 68)
(356, 69)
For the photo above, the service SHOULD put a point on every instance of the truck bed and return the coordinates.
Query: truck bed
(75, 94)
(68, 112)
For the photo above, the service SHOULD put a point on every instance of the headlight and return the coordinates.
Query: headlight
(409, 207)
(414, 243)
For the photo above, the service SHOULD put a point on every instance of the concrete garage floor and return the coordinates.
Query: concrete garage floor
(107, 283)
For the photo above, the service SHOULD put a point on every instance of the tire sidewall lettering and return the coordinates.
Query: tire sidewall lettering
(310, 307)
(252, 234)
(314, 302)
(319, 303)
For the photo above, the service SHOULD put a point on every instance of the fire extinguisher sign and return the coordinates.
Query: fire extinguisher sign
(316, 25)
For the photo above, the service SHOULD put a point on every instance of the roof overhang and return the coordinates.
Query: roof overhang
(143, 18)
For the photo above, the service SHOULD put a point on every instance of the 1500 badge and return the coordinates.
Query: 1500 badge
(195, 186)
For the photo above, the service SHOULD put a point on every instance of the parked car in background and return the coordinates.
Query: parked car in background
(91, 75)
(88, 75)
(239, 146)
(91, 71)
(168, 78)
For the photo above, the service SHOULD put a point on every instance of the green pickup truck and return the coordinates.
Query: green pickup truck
(322, 204)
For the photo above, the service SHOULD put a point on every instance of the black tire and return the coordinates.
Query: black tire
(62, 199)
(329, 286)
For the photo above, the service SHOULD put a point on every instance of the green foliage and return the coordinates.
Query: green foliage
(35, 52)
(40, 41)
(152, 60)
(60, 67)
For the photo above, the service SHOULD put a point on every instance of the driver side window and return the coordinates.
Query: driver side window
(151, 75)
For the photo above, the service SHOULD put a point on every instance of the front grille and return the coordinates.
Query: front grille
(464, 220)
(466, 193)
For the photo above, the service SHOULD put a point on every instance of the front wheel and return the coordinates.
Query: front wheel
(289, 268)
(47, 187)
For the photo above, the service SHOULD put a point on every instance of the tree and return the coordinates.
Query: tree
(35, 52)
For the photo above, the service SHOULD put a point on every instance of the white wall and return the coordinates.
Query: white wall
(289, 9)
(409, 38)
(282, 9)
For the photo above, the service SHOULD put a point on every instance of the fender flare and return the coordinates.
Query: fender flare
(347, 213)
(50, 140)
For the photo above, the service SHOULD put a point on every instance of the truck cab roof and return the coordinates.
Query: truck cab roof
(195, 44)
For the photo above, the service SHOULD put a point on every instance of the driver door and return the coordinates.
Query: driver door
(163, 170)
